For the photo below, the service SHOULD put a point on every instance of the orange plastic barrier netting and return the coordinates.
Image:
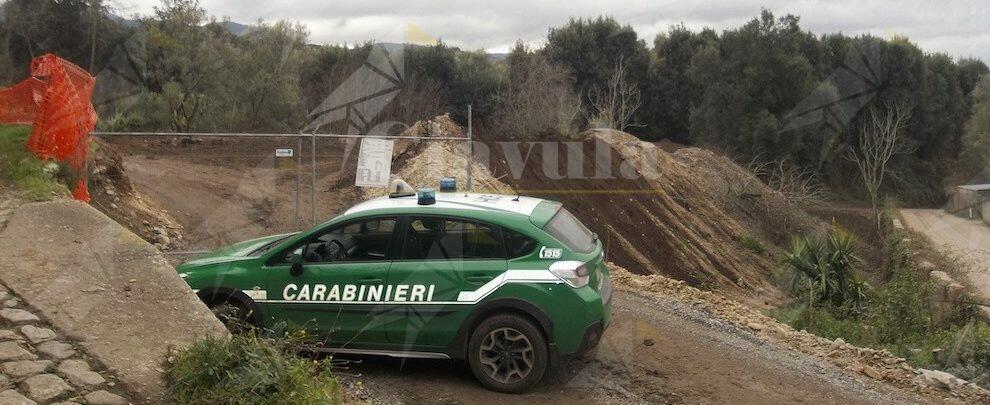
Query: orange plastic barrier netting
(56, 100)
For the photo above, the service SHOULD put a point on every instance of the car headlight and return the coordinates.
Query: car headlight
(575, 274)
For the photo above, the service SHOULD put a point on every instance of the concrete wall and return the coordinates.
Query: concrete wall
(986, 212)
(105, 288)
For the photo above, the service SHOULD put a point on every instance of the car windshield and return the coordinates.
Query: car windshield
(569, 230)
(268, 246)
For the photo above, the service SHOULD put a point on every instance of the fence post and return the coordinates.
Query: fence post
(470, 148)
(298, 175)
(312, 192)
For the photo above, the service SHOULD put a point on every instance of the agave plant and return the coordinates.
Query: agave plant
(823, 271)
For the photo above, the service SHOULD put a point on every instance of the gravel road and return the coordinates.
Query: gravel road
(968, 240)
(657, 351)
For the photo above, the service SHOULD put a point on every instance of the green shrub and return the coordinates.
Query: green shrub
(20, 168)
(900, 309)
(250, 369)
(823, 273)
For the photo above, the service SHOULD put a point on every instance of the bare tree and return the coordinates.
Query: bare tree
(613, 105)
(538, 99)
(880, 139)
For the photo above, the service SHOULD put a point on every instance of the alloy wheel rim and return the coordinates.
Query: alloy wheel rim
(507, 355)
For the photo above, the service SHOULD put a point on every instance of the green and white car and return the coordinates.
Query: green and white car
(508, 283)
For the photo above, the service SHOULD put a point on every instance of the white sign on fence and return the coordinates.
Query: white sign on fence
(374, 163)
(283, 152)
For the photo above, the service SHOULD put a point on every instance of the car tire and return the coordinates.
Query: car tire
(234, 316)
(508, 353)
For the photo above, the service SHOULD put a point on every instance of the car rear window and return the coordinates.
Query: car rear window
(571, 232)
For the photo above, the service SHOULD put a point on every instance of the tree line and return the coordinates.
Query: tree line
(766, 91)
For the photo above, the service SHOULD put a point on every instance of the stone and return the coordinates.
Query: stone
(7, 334)
(45, 387)
(104, 398)
(37, 335)
(4, 295)
(13, 351)
(872, 373)
(838, 343)
(754, 326)
(17, 316)
(11, 397)
(56, 350)
(940, 379)
(4, 382)
(648, 342)
(25, 368)
(79, 374)
(13, 302)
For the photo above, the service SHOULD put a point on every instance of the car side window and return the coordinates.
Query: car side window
(516, 244)
(359, 241)
(437, 238)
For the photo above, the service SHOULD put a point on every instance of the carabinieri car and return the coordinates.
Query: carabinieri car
(509, 283)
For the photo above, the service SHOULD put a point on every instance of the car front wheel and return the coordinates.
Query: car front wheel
(235, 317)
(508, 353)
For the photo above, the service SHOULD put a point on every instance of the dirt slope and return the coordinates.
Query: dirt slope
(650, 212)
(765, 213)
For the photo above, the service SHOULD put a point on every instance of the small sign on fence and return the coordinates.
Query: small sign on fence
(374, 165)
(283, 152)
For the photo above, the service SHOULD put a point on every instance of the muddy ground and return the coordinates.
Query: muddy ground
(657, 351)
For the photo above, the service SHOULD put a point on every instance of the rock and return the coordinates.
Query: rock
(754, 326)
(13, 302)
(25, 368)
(37, 335)
(13, 351)
(79, 374)
(940, 379)
(648, 342)
(7, 334)
(45, 387)
(11, 397)
(4, 382)
(162, 240)
(56, 350)
(4, 295)
(104, 398)
(18, 316)
(872, 373)
(838, 343)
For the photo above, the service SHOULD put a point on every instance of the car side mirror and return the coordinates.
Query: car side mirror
(297, 263)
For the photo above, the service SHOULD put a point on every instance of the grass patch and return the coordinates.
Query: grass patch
(22, 170)
(250, 369)
(752, 244)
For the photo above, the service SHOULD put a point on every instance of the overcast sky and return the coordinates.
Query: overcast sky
(956, 27)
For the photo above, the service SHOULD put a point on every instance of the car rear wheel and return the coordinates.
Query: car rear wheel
(508, 353)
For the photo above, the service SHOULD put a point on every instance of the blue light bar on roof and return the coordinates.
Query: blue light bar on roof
(448, 184)
(426, 196)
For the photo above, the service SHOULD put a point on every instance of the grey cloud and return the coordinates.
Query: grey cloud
(957, 27)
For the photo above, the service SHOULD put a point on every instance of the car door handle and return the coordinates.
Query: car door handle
(370, 280)
(479, 279)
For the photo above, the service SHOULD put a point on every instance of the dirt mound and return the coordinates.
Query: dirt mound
(646, 207)
(768, 213)
(423, 163)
